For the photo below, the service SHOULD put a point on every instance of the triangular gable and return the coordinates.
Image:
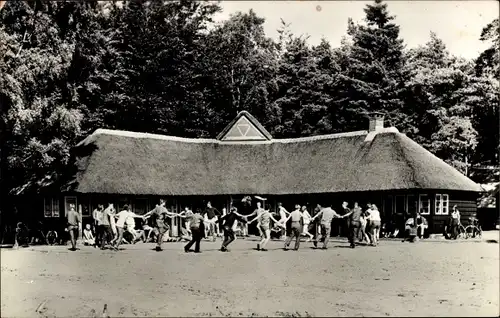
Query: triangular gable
(244, 128)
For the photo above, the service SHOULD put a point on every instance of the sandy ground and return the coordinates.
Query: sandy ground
(433, 278)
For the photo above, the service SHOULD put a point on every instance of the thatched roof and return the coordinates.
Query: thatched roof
(123, 162)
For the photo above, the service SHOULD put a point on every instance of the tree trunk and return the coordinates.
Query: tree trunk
(466, 167)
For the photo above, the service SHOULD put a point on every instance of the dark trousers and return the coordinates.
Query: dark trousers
(97, 237)
(106, 234)
(228, 237)
(354, 227)
(295, 232)
(161, 232)
(196, 239)
(323, 235)
(454, 228)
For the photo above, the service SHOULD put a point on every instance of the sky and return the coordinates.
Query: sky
(457, 23)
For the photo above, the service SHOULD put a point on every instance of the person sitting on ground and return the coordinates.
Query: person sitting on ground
(411, 230)
(422, 225)
(37, 235)
(88, 236)
(21, 236)
(276, 232)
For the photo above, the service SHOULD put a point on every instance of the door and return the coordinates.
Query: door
(388, 204)
(174, 222)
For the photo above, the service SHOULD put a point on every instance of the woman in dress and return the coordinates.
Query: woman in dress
(307, 220)
(455, 222)
(374, 220)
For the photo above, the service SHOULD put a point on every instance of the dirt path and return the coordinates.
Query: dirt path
(424, 279)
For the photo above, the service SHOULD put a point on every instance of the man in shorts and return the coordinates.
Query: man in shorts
(227, 222)
(212, 214)
(283, 214)
(159, 215)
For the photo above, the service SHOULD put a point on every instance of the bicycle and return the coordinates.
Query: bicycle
(462, 233)
(52, 237)
(474, 230)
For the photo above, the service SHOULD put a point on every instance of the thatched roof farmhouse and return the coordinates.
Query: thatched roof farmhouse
(244, 159)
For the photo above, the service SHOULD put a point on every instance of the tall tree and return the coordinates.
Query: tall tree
(305, 82)
(373, 80)
(240, 67)
(488, 62)
(485, 95)
(437, 114)
(40, 119)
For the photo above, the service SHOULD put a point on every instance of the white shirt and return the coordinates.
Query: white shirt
(88, 234)
(122, 216)
(130, 220)
(374, 215)
(306, 216)
(282, 213)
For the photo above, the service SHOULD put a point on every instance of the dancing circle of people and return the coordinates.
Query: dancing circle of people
(112, 225)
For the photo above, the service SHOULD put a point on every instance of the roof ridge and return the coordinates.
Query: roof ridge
(132, 134)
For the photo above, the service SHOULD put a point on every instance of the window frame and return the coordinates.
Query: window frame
(421, 206)
(86, 203)
(54, 207)
(411, 199)
(441, 203)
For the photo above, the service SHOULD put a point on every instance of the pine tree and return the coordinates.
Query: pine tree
(438, 114)
(373, 80)
(486, 96)
(240, 70)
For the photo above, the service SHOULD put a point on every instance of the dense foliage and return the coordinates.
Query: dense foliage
(68, 68)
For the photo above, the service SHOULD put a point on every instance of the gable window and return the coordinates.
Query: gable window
(51, 207)
(424, 204)
(442, 204)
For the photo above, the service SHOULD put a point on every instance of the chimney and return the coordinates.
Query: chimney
(376, 122)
